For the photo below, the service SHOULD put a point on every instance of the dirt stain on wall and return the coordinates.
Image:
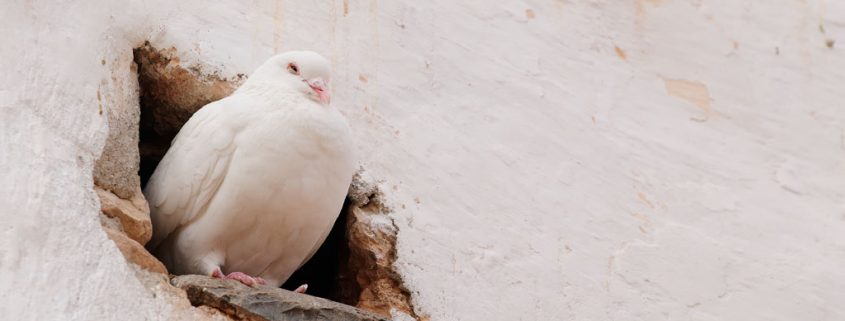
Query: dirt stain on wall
(640, 11)
(620, 53)
(693, 92)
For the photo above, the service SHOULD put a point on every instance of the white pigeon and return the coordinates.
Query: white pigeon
(253, 182)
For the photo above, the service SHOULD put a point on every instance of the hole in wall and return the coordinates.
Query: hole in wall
(355, 263)
(169, 95)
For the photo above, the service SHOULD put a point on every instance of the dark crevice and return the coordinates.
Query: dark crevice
(325, 273)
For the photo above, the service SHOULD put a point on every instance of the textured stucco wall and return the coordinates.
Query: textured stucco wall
(601, 160)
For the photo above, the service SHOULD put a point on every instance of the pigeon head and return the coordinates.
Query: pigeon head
(304, 71)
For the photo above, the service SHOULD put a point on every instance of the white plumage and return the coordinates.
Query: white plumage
(253, 182)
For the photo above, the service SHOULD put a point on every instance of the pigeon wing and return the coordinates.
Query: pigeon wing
(192, 171)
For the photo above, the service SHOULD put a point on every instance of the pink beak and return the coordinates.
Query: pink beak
(321, 89)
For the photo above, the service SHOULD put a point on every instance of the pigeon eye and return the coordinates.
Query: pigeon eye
(292, 68)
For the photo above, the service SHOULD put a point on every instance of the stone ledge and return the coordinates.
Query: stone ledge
(264, 303)
(133, 214)
(134, 252)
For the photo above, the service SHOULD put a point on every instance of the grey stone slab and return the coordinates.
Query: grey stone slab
(261, 303)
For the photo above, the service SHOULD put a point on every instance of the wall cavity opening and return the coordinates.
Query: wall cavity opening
(354, 265)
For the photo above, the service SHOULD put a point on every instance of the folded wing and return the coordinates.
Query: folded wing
(192, 171)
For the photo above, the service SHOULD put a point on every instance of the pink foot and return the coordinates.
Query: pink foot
(301, 288)
(239, 276)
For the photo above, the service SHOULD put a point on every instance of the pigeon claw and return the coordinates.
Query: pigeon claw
(301, 289)
(239, 276)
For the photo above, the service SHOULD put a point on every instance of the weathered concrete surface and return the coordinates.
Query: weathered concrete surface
(116, 169)
(263, 303)
(369, 278)
(546, 160)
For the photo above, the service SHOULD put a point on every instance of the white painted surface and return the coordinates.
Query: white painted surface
(538, 175)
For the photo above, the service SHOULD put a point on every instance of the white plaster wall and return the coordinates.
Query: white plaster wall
(547, 160)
